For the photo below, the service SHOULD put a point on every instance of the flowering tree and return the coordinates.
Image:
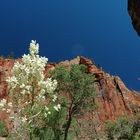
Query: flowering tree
(33, 98)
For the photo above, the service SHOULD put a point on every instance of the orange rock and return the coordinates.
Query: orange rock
(114, 99)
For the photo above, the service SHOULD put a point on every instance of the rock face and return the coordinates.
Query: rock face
(114, 99)
(134, 12)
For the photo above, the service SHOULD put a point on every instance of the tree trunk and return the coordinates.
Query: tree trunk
(67, 127)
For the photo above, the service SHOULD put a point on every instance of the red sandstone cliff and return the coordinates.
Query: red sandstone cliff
(114, 99)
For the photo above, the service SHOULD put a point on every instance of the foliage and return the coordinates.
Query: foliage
(53, 128)
(123, 128)
(33, 98)
(47, 108)
(78, 88)
(3, 129)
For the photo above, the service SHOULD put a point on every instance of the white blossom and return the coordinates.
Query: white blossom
(28, 87)
(12, 81)
(46, 108)
(42, 97)
(54, 98)
(46, 114)
(57, 107)
(51, 85)
(22, 86)
(26, 102)
(28, 80)
(23, 92)
(49, 112)
(3, 103)
(24, 119)
(8, 110)
(34, 48)
(10, 104)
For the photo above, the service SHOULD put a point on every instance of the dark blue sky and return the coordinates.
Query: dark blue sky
(98, 29)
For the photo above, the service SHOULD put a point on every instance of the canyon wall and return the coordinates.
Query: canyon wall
(113, 98)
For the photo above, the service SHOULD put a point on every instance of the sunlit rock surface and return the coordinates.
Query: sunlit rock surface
(134, 12)
(113, 99)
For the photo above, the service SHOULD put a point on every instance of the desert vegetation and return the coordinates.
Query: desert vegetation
(49, 108)
(123, 128)
(46, 109)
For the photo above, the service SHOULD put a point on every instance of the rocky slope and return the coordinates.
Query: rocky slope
(114, 99)
(134, 12)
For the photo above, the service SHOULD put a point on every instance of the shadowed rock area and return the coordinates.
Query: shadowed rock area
(113, 99)
(134, 12)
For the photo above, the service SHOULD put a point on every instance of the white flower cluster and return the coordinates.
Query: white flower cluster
(24, 119)
(57, 107)
(47, 112)
(51, 85)
(28, 79)
(34, 48)
(3, 103)
(31, 70)
(54, 98)
(5, 106)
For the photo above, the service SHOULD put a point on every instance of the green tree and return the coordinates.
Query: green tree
(77, 86)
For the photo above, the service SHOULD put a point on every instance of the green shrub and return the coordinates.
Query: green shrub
(136, 138)
(3, 129)
(122, 128)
